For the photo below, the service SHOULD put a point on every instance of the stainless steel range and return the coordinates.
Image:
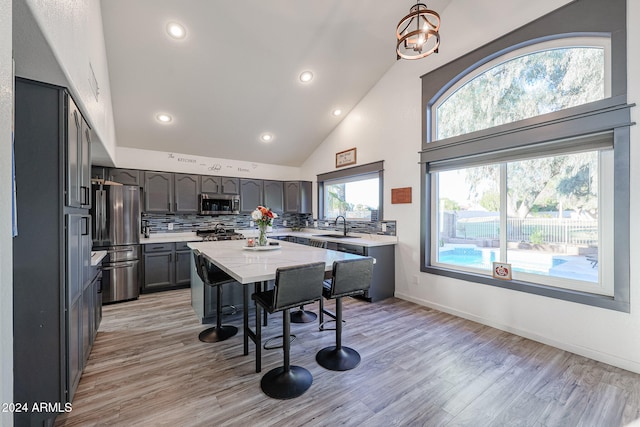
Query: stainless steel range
(219, 233)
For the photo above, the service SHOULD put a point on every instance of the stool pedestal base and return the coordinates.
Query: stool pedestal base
(217, 334)
(336, 359)
(303, 316)
(281, 384)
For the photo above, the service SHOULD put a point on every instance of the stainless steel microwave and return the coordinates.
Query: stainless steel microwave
(216, 204)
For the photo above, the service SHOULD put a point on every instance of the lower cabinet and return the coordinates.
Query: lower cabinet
(166, 266)
(383, 282)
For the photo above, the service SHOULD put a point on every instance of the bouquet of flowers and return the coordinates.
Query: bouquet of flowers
(263, 216)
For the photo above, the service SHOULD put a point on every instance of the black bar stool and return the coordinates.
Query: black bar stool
(301, 315)
(349, 277)
(211, 275)
(301, 284)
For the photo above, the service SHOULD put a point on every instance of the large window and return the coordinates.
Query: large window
(354, 193)
(546, 217)
(526, 162)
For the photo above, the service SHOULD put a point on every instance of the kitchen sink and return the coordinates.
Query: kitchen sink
(336, 236)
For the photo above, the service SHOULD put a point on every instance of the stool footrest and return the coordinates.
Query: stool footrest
(267, 346)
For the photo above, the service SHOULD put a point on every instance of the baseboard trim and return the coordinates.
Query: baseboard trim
(607, 358)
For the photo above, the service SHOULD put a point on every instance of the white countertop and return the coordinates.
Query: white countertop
(362, 239)
(97, 257)
(252, 265)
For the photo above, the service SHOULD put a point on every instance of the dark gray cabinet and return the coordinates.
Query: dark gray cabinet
(183, 264)
(166, 266)
(187, 189)
(158, 192)
(211, 184)
(125, 176)
(220, 185)
(166, 192)
(230, 185)
(274, 195)
(383, 282)
(297, 197)
(78, 157)
(251, 194)
(255, 192)
(51, 253)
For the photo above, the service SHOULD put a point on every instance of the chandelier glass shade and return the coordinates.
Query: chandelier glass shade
(417, 33)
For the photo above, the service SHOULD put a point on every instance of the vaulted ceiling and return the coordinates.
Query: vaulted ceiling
(235, 75)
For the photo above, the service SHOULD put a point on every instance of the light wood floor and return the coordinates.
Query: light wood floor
(419, 367)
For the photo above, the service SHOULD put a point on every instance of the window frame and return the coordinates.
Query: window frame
(353, 172)
(608, 116)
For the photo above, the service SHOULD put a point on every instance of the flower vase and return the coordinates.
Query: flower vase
(262, 239)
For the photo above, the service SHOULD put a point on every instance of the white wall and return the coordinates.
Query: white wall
(133, 158)
(73, 30)
(387, 125)
(6, 244)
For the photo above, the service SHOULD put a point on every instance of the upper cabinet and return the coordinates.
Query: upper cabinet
(125, 176)
(220, 185)
(166, 192)
(212, 184)
(78, 158)
(187, 189)
(230, 185)
(251, 194)
(297, 197)
(274, 195)
(158, 192)
(255, 192)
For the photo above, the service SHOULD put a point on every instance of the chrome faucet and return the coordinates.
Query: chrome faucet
(344, 222)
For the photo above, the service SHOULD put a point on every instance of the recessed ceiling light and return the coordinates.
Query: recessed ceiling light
(306, 76)
(266, 137)
(336, 112)
(176, 30)
(164, 118)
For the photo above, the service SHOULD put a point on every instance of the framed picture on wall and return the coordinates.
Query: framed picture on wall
(346, 157)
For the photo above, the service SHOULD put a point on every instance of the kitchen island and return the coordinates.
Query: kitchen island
(259, 264)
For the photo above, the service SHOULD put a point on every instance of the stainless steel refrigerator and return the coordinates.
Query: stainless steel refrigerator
(115, 216)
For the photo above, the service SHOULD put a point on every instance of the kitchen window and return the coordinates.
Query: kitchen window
(525, 161)
(355, 193)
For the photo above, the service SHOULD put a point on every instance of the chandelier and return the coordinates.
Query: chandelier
(417, 33)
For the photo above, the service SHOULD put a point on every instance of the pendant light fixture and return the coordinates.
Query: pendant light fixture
(417, 33)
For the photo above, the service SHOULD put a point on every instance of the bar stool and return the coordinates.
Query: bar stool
(301, 315)
(300, 284)
(349, 277)
(211, 275)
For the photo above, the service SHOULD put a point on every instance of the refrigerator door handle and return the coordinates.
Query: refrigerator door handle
(117, 266)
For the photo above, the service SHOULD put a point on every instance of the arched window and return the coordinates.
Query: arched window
(521, 154)
(538, 79)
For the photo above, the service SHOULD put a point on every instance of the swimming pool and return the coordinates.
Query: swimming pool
(483, 258)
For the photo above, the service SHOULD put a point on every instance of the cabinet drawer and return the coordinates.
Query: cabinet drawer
(182, 246)
(158, 247)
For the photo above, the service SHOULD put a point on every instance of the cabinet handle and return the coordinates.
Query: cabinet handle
(85, 220)
(170, 257)
(169, 206)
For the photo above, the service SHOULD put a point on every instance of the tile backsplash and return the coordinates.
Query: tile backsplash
(160, 223)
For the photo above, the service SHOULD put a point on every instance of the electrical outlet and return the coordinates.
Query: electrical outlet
(315, 224)
(415, 280)
(326, 224)
(306, 223)
(284, 223)
(384, 227)
(251, 223)
(170, 226)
